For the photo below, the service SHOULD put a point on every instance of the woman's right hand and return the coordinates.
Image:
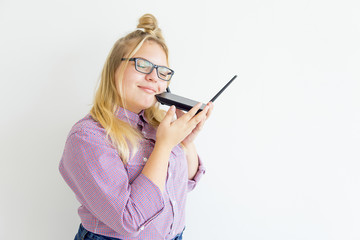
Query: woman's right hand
(172, 132)
(169, 134)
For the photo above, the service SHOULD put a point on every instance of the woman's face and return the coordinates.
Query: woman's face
(139, 88)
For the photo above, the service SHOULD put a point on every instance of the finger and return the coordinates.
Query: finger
(194, 110)
(199, 117)
(190, 114)
(211, 107)
(179, 113)
(169, 115)
(206, 111)
(199, 126)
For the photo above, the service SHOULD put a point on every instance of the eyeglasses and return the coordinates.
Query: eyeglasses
(144, 66)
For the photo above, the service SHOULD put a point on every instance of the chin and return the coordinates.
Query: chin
(149, 104)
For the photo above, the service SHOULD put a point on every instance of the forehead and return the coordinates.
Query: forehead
(153, 52)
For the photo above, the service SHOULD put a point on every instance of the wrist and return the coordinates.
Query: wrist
(189, 146)
(163, 146)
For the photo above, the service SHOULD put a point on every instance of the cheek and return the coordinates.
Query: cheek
(163, 86)
(129, 76)
(129, 80)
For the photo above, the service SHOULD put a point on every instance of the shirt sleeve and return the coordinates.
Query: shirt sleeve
(97, 175)
(200, 172)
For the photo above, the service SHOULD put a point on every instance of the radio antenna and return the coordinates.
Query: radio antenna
(218, 94)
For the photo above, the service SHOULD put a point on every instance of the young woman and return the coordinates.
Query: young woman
(129, 163)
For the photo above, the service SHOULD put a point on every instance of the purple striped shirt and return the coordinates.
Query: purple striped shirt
(117, 200)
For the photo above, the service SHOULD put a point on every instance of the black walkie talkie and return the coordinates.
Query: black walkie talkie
(183, 103)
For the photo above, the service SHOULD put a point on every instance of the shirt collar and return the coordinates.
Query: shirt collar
(138, 121)
(133, 118)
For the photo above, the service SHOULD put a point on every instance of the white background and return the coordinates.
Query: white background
(281, 148)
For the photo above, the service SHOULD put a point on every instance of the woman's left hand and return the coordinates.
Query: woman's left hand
(191, 137)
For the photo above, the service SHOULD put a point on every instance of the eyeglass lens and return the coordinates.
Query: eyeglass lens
(146, 67)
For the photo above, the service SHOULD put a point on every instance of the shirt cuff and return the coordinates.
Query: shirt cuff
(193, 182)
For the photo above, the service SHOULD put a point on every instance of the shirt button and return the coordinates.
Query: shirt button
(142, 228)
(170, 174)
(145, 159)
(174, 203)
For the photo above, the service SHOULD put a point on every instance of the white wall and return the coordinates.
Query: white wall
(281, 148)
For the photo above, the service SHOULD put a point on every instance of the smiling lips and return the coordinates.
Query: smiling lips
(148, 89)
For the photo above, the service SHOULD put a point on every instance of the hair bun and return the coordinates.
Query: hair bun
(149, 23)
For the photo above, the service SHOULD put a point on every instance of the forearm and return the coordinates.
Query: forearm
(169, 134)
(157, 165)
(192, 159)
(121, 206)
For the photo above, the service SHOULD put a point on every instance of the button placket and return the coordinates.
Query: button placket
(171, 193)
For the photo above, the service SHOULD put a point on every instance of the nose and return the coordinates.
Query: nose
(152, 76)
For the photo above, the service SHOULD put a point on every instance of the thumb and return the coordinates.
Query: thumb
(169, 116)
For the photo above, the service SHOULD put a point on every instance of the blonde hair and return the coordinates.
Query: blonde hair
(107, 99)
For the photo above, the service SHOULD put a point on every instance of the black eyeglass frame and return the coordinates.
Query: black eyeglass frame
(152, 68)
